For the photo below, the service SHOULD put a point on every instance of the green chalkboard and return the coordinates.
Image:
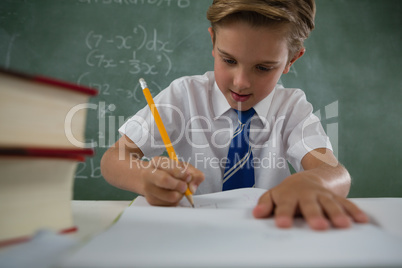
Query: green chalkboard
(350, 72)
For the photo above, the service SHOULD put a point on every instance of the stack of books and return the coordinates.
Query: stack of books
(42, 140)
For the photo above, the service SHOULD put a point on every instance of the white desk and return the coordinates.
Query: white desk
(360, 247)
(92, 217)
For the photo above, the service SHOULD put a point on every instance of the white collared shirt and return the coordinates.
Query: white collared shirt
(200, 123)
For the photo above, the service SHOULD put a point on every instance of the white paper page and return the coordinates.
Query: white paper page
(210, 237)
(383, 212)
(239, 198)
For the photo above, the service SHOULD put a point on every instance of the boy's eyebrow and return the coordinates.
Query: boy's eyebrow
(230, 56)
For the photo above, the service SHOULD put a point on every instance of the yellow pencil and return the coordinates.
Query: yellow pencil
(162, 130)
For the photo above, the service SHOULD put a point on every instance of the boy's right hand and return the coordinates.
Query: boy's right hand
(166, 180)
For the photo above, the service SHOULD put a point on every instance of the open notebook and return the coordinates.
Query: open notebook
(221, 232)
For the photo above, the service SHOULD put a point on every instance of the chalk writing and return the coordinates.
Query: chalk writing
(106, 89)
(10, 45)
(141, 40)
(139, 50)
(95, 170)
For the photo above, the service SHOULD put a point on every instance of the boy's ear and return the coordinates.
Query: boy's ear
(212, 34)
(296, 57)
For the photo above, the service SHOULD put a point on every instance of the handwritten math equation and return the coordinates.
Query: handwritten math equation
(162, 3)
(131, 52)
(130, 91)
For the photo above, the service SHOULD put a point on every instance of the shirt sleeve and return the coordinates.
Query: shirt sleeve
(303, 132)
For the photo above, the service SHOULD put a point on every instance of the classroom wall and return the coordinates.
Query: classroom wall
(350, 72)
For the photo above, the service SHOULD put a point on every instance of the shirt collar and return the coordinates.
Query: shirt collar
(221, 106)
(219, 102)
(262, 108)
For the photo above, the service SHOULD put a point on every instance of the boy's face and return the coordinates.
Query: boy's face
(249, 62)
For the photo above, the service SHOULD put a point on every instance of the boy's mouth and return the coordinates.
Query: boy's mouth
(240, 98)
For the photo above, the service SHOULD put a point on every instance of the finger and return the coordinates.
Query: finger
(157, 191)
(313, 214)
(354, 211)
(195, 176)
(334, 211)
(170, 166)
(162, 179)
(161, 197)
(264, 207)
(284, 213)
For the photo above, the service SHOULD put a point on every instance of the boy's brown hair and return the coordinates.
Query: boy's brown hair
(297, 15)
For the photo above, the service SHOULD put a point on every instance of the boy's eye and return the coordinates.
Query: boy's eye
(229, 61)
(263, 68)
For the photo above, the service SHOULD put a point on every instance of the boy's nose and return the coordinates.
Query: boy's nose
(241, 79)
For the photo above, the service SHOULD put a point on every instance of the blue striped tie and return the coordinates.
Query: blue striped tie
(239, 171)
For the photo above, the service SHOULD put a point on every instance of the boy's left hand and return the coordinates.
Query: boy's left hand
(312, 193)
(320, 207)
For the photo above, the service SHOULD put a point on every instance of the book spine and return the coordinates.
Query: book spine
(52, 82)
(66, 85)
(74, 154)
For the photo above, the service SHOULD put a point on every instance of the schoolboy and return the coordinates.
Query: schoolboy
(254, 43)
